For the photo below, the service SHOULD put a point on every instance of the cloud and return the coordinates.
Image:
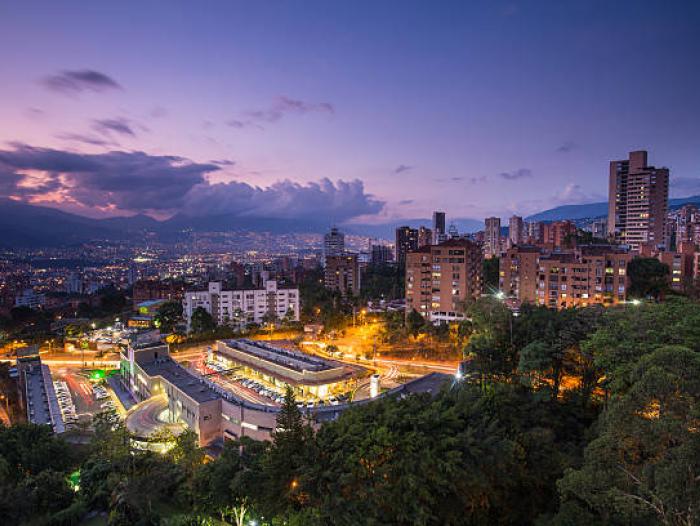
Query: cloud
(129, 181)
(402, 168)
(520, 173)
(72, 82)
(139, 182)
(566, 147)
(108, 126)
(406, 202)
(223, 162)
(477, 180)
(281, 107)
(84, 139)
(158, 112)
(342, 200)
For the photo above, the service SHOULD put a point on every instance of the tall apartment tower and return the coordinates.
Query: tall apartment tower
(638, 202)
(515, 231)
(333, 244)
(439, 227)
(406, 241)
(492, 237)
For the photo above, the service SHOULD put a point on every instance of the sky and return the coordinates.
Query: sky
(364, 111)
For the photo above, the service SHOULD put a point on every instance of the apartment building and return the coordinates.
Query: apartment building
(586, 275)
(516, 232)
(241, 307)
(638, 202)
(518, 272)
(342, 273)
(492, 237)
(333, 243)
(440, 279)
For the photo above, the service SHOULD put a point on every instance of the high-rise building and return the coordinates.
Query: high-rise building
(638, 202)
(558, 233)
(441, 279)
(406, 241)
(492, 237)
(240, 307)
(425, 236)
(381, 255)
(515, 231)
(535, 232)
(439, 233)
(342, 273)
(333, 243)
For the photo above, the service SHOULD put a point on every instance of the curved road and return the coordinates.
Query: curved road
(145, 418)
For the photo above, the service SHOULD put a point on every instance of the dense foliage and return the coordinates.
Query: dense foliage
(579, 417)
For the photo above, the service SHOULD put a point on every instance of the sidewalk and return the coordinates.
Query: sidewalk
(124, 396)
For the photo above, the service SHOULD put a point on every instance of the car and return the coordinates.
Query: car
(333, 400)
(310, 405)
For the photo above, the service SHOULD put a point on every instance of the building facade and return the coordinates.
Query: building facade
(342, 273)
(406, 241)
(492, 237)
(333, 243)
(638, 202)
(516, 232)
(441, 279)
(586, 275)
(241, 307)
(439, 232)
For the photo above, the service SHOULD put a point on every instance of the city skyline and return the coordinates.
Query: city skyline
(484, 110)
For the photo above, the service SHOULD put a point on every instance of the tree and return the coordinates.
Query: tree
(491, 274)
(201, 321)
(169, 314)
(648, 278)
(414, 322)
(644, 466)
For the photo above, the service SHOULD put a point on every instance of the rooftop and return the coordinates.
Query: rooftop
(175, 374)
(295, 360)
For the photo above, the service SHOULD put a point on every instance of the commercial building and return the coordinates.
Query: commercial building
(214, 413)
(638, 202)
(441, 279)
(333, 244)
(342, 273)
(241, 307)
(406, 241)
(37, 390)
(586, 275)
(279, 367)
(492, 237)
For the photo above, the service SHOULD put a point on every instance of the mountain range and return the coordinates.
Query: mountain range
(23, 225)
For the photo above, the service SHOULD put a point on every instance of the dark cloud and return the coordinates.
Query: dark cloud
(281, 107)
(130, 181)
(402, 168)
(406, 202)
(223, 162)
(72, 82)
(520, 173)
(566, 147)
(342, 200)
(139, 182)
(109, 126)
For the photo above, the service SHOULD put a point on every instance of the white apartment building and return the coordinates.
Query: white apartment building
(241, 307)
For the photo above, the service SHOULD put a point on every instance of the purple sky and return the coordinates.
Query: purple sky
(369, 110)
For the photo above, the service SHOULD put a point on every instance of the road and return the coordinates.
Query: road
(147, 417)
